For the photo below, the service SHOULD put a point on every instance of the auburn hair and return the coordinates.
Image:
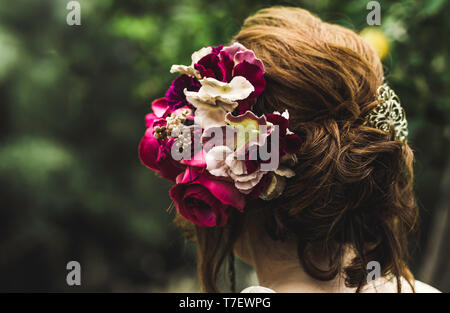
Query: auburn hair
(353, 184)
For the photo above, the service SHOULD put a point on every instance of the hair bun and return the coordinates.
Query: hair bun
(353, 183)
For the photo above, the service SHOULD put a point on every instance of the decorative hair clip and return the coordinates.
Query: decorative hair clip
(204, 136)
(389, 115)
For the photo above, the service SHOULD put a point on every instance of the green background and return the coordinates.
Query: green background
(72, 107)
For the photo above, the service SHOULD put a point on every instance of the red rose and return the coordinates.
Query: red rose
(204, 199)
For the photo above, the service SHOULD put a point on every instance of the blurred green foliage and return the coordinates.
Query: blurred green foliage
(72, 107)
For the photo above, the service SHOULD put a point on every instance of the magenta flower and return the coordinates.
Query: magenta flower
(230, 79)
(156, 153)
(253, 74)
(223, 156)
(248, 65)
(239, 53)
(216, 157)
(235, 60)
(289, 142)
(175, 94)
(218, 65)
(204, 199)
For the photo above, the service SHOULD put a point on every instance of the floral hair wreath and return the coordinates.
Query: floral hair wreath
(204, 136)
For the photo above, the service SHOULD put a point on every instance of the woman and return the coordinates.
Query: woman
(334, 216)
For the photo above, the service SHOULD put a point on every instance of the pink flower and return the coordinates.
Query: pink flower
(248, 65)
(156, 153)
(239, 53)
(221, 162)
(204, 199)
(289, 143)
(226, 159)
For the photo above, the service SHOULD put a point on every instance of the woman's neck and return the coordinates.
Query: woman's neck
(281, 271)
(291, 277)
(277, 266)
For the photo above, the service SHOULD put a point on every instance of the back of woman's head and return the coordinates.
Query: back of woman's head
(353, 185)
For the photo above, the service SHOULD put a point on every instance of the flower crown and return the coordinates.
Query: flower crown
(204, 136)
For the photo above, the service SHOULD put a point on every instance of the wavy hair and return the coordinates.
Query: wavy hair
(353, 184)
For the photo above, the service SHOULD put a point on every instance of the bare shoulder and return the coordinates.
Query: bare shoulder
(424, 288)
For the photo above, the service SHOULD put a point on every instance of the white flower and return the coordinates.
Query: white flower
(207, 115)
(238, 88)
(198, 55)
(190, 70)
(209, 112)
(245, 183)
(215, 160)
(183, 69)
(215, 98)
(221, 161)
